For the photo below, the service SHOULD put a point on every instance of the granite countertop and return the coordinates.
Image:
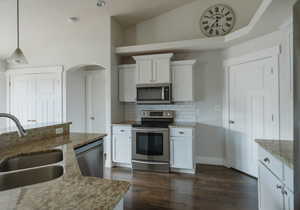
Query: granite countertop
(183, 125)
(281, 149)
(33, 126)
(126, 123)
(72, 190)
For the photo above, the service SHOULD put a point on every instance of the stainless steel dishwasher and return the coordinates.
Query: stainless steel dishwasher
(90, 159)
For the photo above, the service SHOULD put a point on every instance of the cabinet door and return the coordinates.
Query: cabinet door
(270, 195)
(127, 84)
(122, 149)
(161, 71)
(183, 84)
(289, 200)
(144, 71)
(182, 152)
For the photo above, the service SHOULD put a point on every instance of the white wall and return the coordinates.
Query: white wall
(206, 111)
(254, 45)
(48, 38)
(183, 23)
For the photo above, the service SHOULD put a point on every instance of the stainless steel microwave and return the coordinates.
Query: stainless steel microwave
(154, 94)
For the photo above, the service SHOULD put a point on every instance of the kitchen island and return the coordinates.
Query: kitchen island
(71, 190)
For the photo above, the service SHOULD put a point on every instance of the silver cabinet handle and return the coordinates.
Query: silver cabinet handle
(231, 122)
(181, 132)
(122, 131)
(31, 121)
(267, 160)
(278, 186)
(92, 118)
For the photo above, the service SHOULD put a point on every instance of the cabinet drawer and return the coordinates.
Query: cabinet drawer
(125, 130)
(274, 164)
(181, 132)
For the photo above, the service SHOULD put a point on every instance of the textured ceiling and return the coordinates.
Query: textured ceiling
(130, 12)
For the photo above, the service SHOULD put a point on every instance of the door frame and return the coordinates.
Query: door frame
(59, 69)
(273, 53)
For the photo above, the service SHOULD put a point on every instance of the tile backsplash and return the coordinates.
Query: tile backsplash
(185, 112)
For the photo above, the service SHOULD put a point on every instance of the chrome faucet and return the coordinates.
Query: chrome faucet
(21, 130)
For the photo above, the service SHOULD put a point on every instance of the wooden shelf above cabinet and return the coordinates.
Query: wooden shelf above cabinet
(203, 44)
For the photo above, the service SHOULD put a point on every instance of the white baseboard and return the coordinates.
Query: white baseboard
(185, 171)
(210, 161)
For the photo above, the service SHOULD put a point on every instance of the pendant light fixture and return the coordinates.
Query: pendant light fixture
(18, 56)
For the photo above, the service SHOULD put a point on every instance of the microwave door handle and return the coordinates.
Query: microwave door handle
(163, 94)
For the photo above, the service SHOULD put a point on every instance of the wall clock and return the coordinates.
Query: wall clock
(217, 20)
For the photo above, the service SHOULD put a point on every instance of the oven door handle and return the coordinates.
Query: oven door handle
(148, 130)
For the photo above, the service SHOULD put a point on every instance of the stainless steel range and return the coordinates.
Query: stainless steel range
(151, 142)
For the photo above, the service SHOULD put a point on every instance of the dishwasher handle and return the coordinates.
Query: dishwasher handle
(89, 146)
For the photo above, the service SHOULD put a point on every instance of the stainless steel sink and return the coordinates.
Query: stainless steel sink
(31, 160)
(30, 177)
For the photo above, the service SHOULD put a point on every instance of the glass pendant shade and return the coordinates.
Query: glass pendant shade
(18, 57)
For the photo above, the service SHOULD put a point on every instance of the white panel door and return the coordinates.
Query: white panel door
(95, 93)
(36, 97)
(270, 195)
(253, 111)
(22, 98)
(48, 98)
(122, 149)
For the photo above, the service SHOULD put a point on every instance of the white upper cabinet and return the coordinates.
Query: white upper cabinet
(183, 80)
(153, 69)
(127, 83)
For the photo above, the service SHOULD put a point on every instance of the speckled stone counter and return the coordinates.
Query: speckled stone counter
(126, 123)
(282, 150)
(72, 190)
(183, 125)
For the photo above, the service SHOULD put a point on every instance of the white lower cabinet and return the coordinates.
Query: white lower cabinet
(122, 145)
(181, 149)
(181, 152)
(274, 190)
(270, 190)
(289, 200)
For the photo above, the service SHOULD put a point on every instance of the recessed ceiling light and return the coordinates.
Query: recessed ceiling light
(101, 3)
(73, 19)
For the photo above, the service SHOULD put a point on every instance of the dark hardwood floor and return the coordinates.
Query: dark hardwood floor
(212, 188)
